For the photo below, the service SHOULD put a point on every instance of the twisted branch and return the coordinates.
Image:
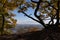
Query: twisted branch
(35, 13)
(34, 19)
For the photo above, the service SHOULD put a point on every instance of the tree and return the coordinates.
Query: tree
(47, 8)
(6, 16)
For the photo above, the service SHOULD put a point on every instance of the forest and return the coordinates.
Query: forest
(43, 10)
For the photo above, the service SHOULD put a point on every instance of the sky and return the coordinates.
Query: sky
(21, 19)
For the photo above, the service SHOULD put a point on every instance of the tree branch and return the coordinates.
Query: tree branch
(52, 18)
(50, 5)
(33, 1)
(36, 10)
(35, 19)
(30, 17)
(35, 13)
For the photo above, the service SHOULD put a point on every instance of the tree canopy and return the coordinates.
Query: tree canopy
(6, 16)
(46, 8)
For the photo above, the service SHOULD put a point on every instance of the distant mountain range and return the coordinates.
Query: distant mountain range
(25, 27)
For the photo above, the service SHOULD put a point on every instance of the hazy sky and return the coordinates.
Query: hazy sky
(21, 19)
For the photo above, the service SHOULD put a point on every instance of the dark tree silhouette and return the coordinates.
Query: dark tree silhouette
(4, 13)
(39, 20)
(48, 26)
(3, 21)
